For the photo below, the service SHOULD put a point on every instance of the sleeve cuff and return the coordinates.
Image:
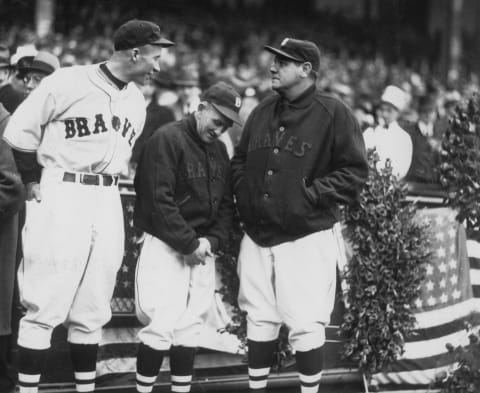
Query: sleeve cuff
(32, 176)
(191, 247)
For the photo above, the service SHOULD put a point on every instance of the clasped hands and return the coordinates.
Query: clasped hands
(199, 256)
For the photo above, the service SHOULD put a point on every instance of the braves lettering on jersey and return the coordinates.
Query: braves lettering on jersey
(79, 121)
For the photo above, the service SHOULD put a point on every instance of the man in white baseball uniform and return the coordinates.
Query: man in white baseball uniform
(301, 155)
(185, 206)
(75, 133)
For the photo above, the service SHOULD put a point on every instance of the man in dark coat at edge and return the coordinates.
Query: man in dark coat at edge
(11, 200)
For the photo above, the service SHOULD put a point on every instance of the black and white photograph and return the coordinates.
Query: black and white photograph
(250, 196)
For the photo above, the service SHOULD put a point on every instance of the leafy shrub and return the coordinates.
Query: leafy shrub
(460, 173)
(460, 166)
(389, 251)
(465, 375)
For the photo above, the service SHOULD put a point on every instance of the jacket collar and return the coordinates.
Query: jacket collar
(191, 126)
(303, 100)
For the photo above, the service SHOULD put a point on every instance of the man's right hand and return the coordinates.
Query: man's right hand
(200, 254)
(33, 192)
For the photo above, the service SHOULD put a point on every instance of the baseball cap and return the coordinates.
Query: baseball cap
(298, 50)
(43, 62)
(225, 99)
(136, 33)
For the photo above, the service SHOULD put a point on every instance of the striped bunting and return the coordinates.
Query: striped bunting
(425, 354)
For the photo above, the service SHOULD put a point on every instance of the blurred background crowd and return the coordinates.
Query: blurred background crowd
(427, 48)
(366, 45)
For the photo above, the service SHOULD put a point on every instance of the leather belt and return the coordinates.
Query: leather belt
(90, 179)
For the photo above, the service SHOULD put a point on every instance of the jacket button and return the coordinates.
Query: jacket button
(266, 195)
(281, 129)
(215, 201)
(275, 151)
(213, 179)
(270, 172)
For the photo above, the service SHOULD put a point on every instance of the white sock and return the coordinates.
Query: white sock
(309, 383)
(145, 384)
(257, 377)
(85, 381)
(181, 383)
(28, 383)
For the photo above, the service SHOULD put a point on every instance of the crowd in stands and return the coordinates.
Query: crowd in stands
(226, 43)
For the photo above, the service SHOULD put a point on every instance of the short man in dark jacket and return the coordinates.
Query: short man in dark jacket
(301, 155)
(184, 204)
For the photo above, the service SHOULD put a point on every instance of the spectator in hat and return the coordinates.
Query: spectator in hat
(185, 206)
(186, 84)
(343, 92)
(165, 88)
(389, 139)
(300, 156)
(10, 97)
(11, 199)
(21, 59)
(32, 71)
(43, 64)
(450, 101)
(426, 144)
(157, 115)
(363, 111)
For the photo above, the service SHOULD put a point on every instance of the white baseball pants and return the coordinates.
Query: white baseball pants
(73, 247)
(172, 298)
(294, 283)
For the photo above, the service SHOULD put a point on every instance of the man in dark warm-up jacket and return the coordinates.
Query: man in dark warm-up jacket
(301, 155)
(11, 199)
(184, 204)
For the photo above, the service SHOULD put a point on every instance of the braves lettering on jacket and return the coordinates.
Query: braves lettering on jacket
(296, 162)
(183, 188)
(291, 144)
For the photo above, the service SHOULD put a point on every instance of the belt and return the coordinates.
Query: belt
(90, 179)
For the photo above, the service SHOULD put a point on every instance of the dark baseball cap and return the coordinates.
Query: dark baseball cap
(298, 50)
(43, 62)
(135, 33)
(225, 99)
